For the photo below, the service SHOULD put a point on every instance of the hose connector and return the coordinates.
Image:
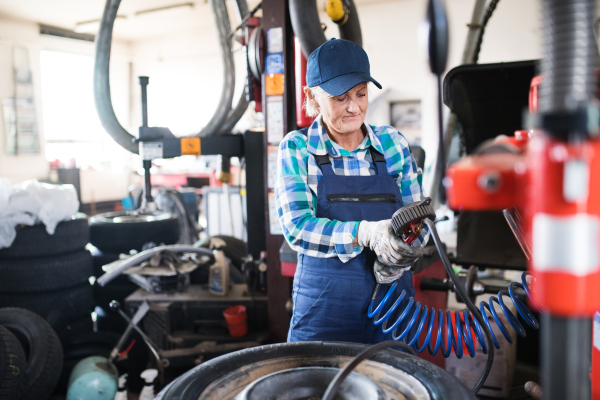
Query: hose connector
(337, 11)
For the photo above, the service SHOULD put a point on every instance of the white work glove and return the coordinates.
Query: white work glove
(393, 255)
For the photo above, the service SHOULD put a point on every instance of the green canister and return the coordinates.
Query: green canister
(93, 378)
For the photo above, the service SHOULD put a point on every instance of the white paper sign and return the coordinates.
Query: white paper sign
(275, 40)
(151, 150)
(275, 119)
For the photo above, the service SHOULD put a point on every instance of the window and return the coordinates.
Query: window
(72, 129)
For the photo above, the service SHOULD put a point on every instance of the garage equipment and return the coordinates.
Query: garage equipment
(554, 182)
(408, 222)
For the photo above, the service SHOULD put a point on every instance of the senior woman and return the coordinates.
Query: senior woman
(338, 184)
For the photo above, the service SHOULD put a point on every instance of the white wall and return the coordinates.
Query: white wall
(26, 34)
(186, 76)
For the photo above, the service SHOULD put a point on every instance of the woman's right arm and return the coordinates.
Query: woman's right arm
(296, 205)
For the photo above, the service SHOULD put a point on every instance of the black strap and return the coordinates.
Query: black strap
(376, 156)
(322, 160)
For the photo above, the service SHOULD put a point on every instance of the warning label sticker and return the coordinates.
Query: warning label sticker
(190, 146)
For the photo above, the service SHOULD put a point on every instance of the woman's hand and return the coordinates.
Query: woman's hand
(389, 248)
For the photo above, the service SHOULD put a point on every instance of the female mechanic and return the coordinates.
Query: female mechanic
(338, 184)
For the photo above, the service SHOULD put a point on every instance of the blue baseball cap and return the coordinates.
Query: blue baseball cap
(337, 66)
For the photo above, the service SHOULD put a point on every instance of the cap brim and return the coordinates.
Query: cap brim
(341, 84)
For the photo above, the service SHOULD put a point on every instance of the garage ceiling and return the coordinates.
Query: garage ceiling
(135, 24)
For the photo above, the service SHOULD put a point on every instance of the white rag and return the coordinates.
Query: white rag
(31, 202)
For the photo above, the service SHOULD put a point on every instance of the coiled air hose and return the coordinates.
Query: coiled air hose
(469, 325)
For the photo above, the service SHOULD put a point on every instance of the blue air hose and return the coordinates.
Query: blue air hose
(423, 318)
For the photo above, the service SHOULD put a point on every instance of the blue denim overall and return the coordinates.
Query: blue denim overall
(331, 297)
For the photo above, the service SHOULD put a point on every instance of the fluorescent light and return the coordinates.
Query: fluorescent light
(174, 6)
(91, 26)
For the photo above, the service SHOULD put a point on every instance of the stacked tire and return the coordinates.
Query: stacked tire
(117, 233)
(49, 274)
(31, 356)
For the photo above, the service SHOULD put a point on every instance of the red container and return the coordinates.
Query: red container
(236, 321)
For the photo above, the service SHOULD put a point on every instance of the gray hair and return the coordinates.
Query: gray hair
(311, 109)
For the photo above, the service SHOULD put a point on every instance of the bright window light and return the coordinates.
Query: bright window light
(71, 126)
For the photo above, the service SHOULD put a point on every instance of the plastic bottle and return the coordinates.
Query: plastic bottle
(122, 391)
(148, 376)
(218, 275)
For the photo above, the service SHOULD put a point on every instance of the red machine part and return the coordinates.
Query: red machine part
(565, 233)
(302, 120)
(487, 182)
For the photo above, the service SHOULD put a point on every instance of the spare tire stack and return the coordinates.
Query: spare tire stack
(41, 349)
(49, 274)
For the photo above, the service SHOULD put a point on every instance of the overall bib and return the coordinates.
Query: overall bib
(330, 297)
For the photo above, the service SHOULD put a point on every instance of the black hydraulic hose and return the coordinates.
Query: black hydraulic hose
(242, 105)
(486, 18)
(304, 15)
(307, 25)
(221, 20)
(104, 106)
(351, 29)
(235, 114)
(470, 306)
(335, 384)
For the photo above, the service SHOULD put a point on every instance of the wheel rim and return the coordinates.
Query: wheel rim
(121, 217)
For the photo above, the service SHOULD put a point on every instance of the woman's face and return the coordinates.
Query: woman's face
(345, 114)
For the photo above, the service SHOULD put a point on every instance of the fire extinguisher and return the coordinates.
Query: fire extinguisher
(302, 120)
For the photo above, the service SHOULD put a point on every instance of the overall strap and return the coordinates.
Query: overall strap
(322, 161)
(379, 161)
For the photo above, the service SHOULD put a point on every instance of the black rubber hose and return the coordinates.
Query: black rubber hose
(470, 306)
(307, 25)
(104, 106)
(242, 105)
(335, 384)
(351, 29)
(486, 18)
(223, 27)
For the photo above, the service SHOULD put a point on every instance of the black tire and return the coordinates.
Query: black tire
(439, 383)
(34, 241)
(44, 274)
(42, 347)
(13, 366)
(132, 233)
(235, 249)
(72, 303)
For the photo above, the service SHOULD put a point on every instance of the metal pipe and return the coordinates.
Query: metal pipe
(223, 27)
(565, 357)
(567, 66)
(102, 99)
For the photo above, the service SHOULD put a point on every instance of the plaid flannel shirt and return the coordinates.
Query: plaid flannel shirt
(298, 175)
